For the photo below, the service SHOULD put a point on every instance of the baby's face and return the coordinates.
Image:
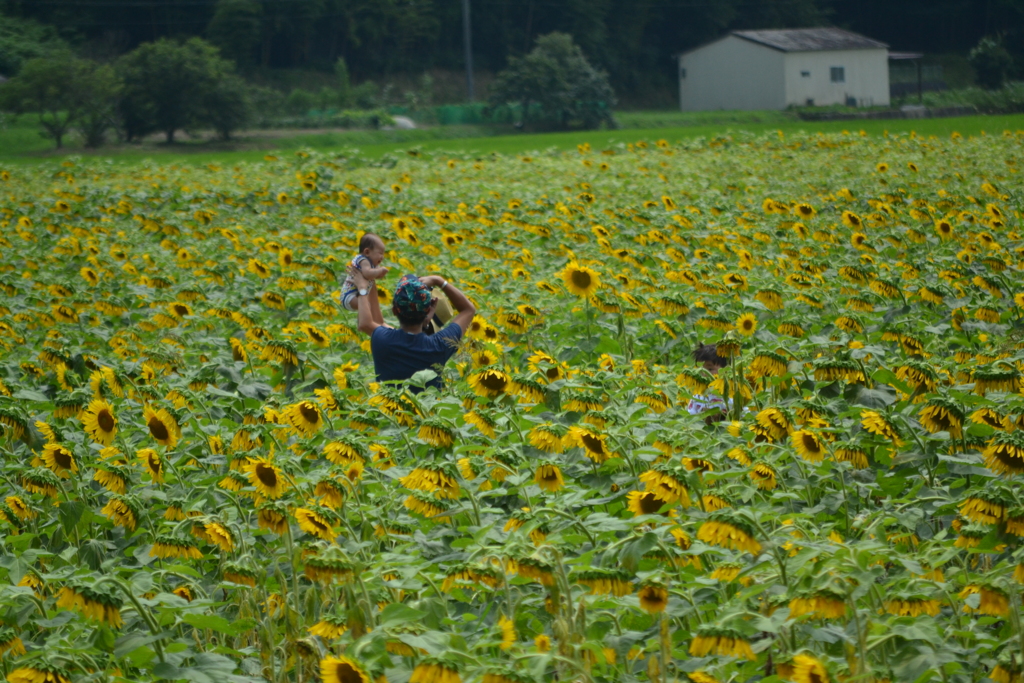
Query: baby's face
(376, 254)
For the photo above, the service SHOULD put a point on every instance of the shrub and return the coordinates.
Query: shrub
(65, 93)
(991, 62)
(235, 29)
(168, 85)
(1007, 100)
(24, 39)
(299, 102)
(227, 107)
(557, 76)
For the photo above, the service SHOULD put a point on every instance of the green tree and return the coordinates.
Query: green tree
(557, 77)
(236, 28)
(24, 39)
(167, 85)
(98, 103)
(65, 93)
(344, 83)
(991, 62)
(228, 107)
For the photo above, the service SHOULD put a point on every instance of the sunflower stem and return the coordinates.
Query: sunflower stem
(861, 636)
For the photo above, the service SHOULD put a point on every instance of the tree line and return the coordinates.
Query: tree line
(632, 40)
(163, 86)
(169, 85)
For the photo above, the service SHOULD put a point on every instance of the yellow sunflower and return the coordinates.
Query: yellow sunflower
(653, 598)
(60, 460)
(342, 670)
(99, 421)
(314, 524)
(305, 417)
(548, 477)
(162, 426)
(807, 669)
(266, 477)
(490, 383)
(747, 324)
(580, 280)
(151, 461)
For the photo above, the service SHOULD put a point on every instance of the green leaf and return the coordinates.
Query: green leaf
(633, 551)
(31, 395)
(131, 642)
(69, 513)
(397, 613)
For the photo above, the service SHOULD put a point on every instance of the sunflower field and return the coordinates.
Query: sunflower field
(203, 482)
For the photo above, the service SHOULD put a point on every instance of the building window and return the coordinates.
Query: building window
(682, 73)
(805, 74)
(838, 74)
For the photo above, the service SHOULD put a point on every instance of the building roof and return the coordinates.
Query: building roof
(811, 39)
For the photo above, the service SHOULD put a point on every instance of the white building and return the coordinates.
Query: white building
(775, 69)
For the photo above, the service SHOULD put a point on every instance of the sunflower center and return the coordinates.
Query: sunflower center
(105, 420)
(553, 373)
(649, 503)
(158, 429)
(592, 444)
(267, 475)
(493, 382)
(346, 673)
(309, 412)
(63, 458)
(581, 279)
(154, 464)
(811, 444)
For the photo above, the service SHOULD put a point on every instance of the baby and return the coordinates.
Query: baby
(714, 405)
(367, 261)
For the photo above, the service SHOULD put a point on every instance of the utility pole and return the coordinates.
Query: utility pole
(467, 41)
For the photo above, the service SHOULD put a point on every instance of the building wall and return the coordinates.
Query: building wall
(866, 77)
(732, 73)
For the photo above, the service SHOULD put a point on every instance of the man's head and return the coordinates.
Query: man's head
(412, 302)
(707, 355)
(372, 247)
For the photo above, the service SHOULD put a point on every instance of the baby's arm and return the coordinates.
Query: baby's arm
(371, 273)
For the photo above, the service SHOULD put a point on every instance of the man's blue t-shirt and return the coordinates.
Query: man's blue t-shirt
(398, 355)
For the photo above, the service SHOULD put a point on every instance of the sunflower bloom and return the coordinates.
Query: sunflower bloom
(304, 417)
(580, 280)
(728, 532)
(150, 459)
(342, 670)
(99, 422)
(315, 524)
(807, 669)
(592, 443)
(746, 324)
(490, 383)
(266, 477)
(653, 598)
(162, 426)
(59, 459)
(548, 477)
(725, 642)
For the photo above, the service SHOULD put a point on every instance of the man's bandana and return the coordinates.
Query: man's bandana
(411, 295)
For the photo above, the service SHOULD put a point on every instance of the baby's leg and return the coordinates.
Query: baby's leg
(375, 307)
(349, 302)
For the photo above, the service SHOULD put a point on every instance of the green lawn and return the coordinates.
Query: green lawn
(679, 119)
(20, 143)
